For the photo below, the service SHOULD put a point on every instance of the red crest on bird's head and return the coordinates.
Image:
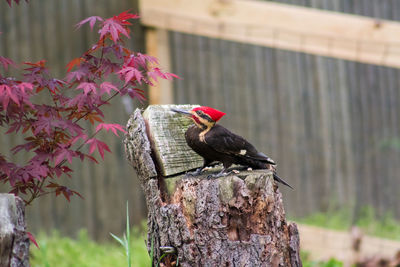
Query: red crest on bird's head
(215, 114)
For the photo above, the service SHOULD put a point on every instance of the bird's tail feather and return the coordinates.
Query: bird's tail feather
(278, 179)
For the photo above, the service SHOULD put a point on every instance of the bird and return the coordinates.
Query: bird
(213, 142)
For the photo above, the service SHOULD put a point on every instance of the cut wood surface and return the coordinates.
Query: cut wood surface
(281, 26)
(236, 220)
(167, 135)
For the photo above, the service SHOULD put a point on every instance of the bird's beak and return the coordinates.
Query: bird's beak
(181, 111)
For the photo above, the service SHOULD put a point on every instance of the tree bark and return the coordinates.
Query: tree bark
(236, 220)
(14, 243)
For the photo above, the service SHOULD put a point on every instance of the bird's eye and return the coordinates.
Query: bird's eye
(199, 112)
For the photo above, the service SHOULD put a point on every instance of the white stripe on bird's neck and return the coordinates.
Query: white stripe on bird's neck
(203, 124)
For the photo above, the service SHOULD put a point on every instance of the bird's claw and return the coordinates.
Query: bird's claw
(195, 173)
(217, 175)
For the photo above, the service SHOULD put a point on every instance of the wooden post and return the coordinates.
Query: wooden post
(14, 243)
(157, 45)
(236, 220)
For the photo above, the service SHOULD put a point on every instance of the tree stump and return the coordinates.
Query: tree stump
(14, 243)
(236, 220)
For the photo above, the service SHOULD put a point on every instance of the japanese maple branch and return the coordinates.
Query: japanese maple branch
(107, 100)
(93, 135)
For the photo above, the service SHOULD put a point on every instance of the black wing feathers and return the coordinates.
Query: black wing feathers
(224, 141)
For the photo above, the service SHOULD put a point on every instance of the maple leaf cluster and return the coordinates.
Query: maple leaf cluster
(16, 1)
(53, 130)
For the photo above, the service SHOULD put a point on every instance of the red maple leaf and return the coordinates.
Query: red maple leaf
(74, 62)
(77, 75)
(6, 93)
(106, 87)
(24, 85)
(92, 20)
(62, 154)
(113, 127)
(43, 123)
(6, 62)
(129, 73)
(137, 93)
(40, 63)
(165, 75)
(113, 28)
(16, 1)
(124, 16)
(101, 146)
(87, 87)
(143, 59)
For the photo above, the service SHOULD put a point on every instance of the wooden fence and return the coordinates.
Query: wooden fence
(331, 121)
(334, 122)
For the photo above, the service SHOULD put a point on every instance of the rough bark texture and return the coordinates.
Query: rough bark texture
(14, 243)
(237, 220)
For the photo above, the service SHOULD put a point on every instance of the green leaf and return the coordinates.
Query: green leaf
(152, 249)
(127, 237)
(118, 239)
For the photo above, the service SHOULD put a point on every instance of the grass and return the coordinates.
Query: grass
(309, 263)
(125, 241)
(59, 251)
(385, 226)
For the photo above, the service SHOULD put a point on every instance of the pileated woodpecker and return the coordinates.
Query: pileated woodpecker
(216, 143)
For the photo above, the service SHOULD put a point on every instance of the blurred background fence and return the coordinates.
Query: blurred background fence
(332, 125)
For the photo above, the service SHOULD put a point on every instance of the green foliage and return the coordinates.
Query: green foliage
(384, 226)
(338, 220)
(393, 143)
(59, 251)
(329, 263)
(305, 258)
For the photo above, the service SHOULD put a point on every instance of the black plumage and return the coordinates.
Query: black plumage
(222, 145)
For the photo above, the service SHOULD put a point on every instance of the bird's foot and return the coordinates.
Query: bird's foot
(242, 168)
(220, 174)
(195, 173)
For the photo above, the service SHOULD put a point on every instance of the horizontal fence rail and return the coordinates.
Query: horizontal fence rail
(289, 27)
